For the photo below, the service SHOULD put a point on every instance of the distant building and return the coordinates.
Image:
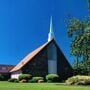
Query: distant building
(47, 59)
(5, 69)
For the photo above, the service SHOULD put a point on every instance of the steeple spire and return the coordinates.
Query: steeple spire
(51, 33)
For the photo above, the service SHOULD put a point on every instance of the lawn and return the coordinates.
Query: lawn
(39, 86)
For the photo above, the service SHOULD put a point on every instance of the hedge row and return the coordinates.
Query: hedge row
(28, 78)
(75, 80)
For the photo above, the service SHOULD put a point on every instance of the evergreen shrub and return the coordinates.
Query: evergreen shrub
(1, 77)
(36, 79)
(13, 80)
(25, 76)
(52, 78)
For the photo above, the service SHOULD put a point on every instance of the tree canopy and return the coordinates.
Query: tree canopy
(79, 32)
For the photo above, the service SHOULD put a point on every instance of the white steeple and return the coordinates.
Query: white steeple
(51, 33)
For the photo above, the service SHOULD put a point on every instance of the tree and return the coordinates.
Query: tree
(79, 32)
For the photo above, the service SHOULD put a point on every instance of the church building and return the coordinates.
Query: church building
(46, 59)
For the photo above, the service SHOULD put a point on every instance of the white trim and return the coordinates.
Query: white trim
(15, 74)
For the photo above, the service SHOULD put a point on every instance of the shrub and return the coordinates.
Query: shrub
(1, 77)
(52, 78)
(78, 80)
(49, 81)
(40, 81)
(16, 81)
(4, 77)
(25, 76)
(35, 79)
(23, 81)
(13, 80)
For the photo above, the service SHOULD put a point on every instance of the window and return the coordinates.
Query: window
(3, 68)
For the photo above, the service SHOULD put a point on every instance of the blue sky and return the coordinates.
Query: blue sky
(24, 25)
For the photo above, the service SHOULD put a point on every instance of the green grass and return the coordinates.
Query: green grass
(39, 86)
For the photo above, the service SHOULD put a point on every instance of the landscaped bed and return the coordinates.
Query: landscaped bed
(40, 86)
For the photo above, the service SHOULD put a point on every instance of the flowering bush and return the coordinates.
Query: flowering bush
(78, 80)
